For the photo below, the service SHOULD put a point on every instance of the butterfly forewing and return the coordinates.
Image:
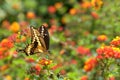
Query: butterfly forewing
(44, 33)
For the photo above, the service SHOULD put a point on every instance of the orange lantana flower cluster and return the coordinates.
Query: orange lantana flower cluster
(34, 69)
(108, 52)
(97, 4)
(30, 15)
(102, 38)
(111, 51)
(83, 50)
(45, 61)
(17, 38)
(90, 64)
(86, 4)
(5, 46)
(84, 77)
(15, 27)
(94, 15)
(6, 43)
(115, 41)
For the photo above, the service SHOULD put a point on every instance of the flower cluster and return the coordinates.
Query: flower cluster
(34, 69)
(90, 64)
(86, 4)
(45, 62)
(29, 60)
(83, 50)
(94, 15)
(97, 4)
(115, 41)
(16, 37)
(84, 77)
(15, 27)
(30, 15)
(108, 52)
(102, 38)
(5, 46)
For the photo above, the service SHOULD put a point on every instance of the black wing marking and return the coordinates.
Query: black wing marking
(44, 33)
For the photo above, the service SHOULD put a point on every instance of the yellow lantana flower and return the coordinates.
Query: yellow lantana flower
(97, 4)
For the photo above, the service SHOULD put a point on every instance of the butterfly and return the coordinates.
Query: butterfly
(39, 41)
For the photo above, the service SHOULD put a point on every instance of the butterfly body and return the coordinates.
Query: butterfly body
(39, 41)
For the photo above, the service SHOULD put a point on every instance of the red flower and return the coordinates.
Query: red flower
(51, 9)
(1, 56)
(94, 15)
(108, 52)
(53, 29)
(83, 51)
(6, 43)
(30, 60)
(73, 61)
(13, 37)
(115, 41)
(88, 67)
(112, 78)
(37, 67)
(45, 61)
(90, 64)
(84, 77)
(62, 72)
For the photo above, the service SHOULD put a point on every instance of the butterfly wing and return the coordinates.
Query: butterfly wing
(44, 33)
(28, 50)
(38, 39)
(33, 34)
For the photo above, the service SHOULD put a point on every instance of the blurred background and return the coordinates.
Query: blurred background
(76, 27)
